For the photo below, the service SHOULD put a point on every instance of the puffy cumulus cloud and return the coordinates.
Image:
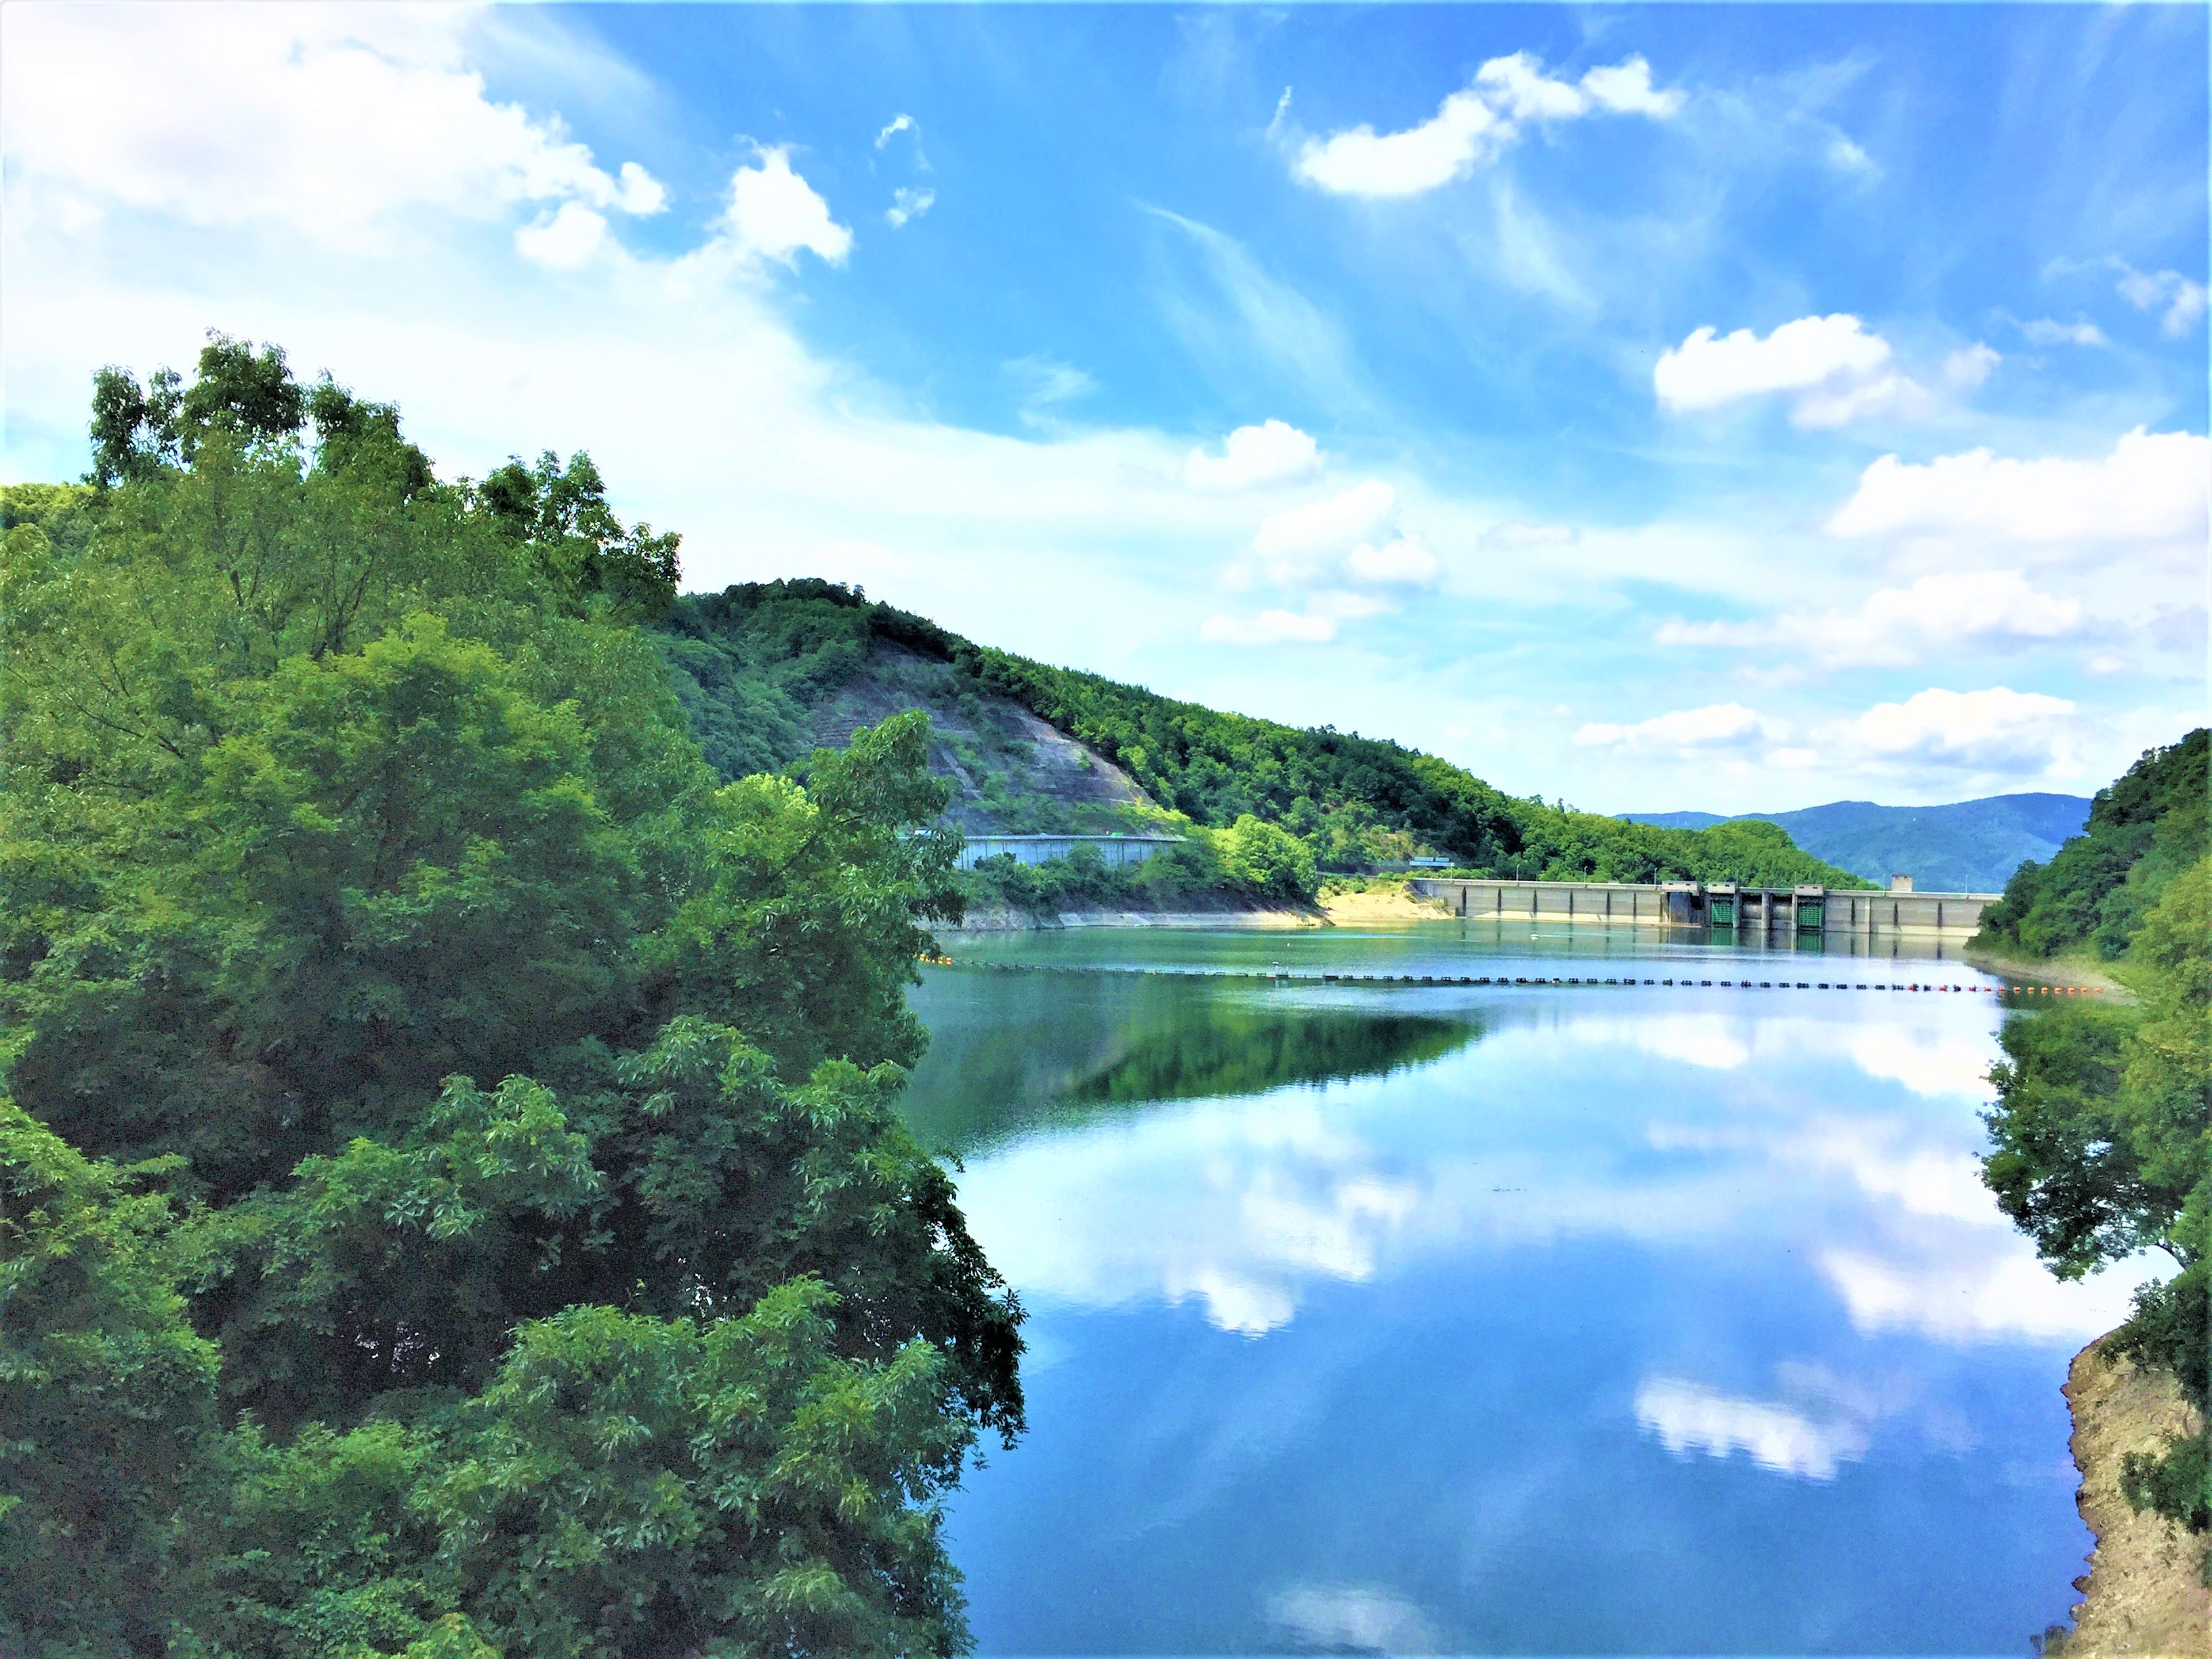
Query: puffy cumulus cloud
(1897, 627)
(1299, 541)
(774, 214)
(1997, 729)
(2049, 331)
(1716, 725)
(1254, 456)
(568, 239)
(1687, 1417)
(1351, 538)
(1473, 125)
(2182, 299)
(1832, 369)
(2151, 488)
(334, 121)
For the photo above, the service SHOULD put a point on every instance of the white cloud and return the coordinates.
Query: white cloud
(1970, 367)
(1300, 542)
(1994, 729)
(331, 121)
(1832, 369)
(1401, 561)
(2183, 298)
(1253, 457)
(1522, 537)
(566, 239)
(2048, 330)
(899, 123)
(1717, 725)
(640, 193)
(1268, 628)
(1046, 380)
(1845, 155)
(773, 213)
(1316, 625)
(1473, 125)
(1625, 88)
(907, 204)
(2152, 488)
(1350, 537)
(1688, 1418)
(1897, 627)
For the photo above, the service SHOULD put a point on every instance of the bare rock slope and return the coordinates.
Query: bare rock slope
(2143, 1595)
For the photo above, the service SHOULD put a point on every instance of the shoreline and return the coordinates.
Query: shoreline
(1377, 901)
(1255, 918)
(2141, 1594)
(2083, 972)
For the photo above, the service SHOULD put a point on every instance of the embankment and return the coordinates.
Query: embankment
(1202, 910)
(2142, 1592)
(1379, 901)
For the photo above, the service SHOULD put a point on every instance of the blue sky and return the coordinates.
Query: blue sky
(1690, 406)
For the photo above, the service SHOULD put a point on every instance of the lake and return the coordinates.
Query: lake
(1538, 1319)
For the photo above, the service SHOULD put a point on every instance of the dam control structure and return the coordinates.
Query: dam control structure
(1823, 911)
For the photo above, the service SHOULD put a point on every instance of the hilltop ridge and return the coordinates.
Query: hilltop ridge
(1967, 847)
(768, 671)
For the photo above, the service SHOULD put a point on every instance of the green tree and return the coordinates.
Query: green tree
(2101, 1146)
(430, 1028)
(2144, 830)
(109, 1444)
(1267, 860)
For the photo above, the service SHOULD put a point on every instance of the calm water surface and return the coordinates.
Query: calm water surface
(1572, 1319)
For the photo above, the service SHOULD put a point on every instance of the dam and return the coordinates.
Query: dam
(1828, 911)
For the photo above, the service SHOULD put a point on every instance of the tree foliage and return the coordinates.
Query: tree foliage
(2144, 831)
(453, 1203)
(2101, 1138)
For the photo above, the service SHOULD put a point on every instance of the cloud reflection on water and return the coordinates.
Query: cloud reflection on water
(1822, 1141)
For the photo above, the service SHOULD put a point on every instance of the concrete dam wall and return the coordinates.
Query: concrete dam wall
(1825, 910)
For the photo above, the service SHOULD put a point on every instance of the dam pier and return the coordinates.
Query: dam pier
(1825, 911)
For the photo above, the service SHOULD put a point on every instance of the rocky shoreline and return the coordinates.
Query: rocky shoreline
(2142, 1594)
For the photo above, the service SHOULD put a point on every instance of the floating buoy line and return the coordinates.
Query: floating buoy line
(1286, 976)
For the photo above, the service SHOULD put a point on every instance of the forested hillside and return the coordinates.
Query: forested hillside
(2102, 1132)
(2144, 831)
(757, 664)
(451, 1203)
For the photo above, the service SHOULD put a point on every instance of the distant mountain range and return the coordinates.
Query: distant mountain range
(1967, 847)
